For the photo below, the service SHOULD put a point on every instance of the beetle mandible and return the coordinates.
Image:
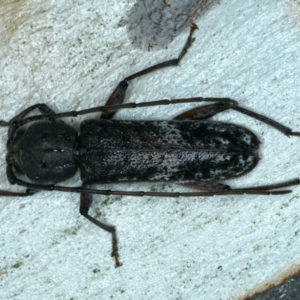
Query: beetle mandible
(188, 149)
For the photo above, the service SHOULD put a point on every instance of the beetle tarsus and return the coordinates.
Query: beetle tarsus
(85, 204)
(294, 133)
(112, 230)
(115, 249)
(30, 192)
(194, 25)
(4, 123)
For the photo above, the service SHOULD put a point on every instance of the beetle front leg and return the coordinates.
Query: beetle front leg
(85, 204)
(43, 108)
(15, 122)
(118, 95)
(12, 179)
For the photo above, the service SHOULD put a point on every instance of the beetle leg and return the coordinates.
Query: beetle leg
(204, 112)
(85, 203)
(14, 123)
(280, 127)
(28, 192)
(43, 108)
(118, 95)
(271, 187)
(209, 186)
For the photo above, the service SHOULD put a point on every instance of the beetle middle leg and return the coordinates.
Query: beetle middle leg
(85, 203)
(118, 95)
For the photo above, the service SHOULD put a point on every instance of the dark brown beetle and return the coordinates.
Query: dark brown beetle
(188, 149)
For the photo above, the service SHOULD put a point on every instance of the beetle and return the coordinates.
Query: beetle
(190, 149)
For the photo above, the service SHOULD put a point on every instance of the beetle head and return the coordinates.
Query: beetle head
(44, 152)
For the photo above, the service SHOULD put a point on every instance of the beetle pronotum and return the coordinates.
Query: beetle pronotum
(188, 149)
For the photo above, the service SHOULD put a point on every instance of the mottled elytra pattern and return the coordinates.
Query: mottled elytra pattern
(190, 151)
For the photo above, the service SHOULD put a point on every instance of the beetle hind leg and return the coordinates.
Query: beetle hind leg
(85, 203)
(206, 111)
(274, 186)
(223, 189)
(278, 126)
(208, 186)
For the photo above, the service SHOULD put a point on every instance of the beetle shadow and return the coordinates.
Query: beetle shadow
(153, 24)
